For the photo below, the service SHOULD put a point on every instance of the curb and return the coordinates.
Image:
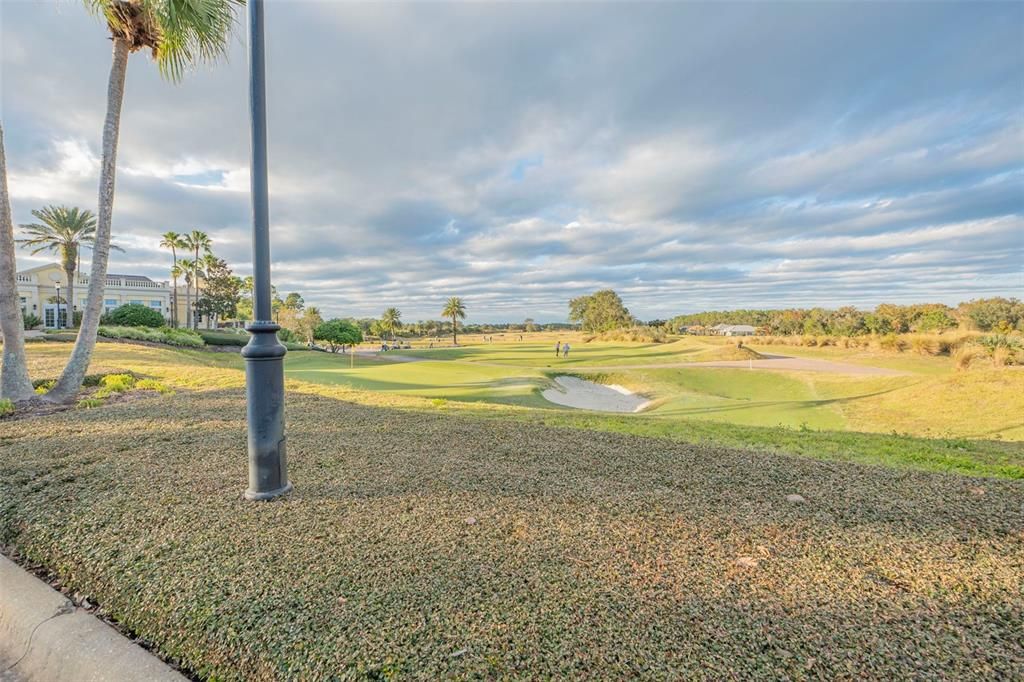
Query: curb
(52, 640)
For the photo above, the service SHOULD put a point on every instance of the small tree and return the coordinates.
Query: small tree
(599, 312)
(455, 309)
(309, 322)
(338, 333)
(222, 293)
(390, 321)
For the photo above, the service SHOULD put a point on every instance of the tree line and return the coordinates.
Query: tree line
(996, 314)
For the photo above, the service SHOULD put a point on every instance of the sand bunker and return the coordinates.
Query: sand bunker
(586, 395)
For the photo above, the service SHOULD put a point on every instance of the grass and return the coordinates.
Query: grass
(426, 541)
(966, 422)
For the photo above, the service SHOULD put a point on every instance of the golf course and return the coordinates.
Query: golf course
(449, 521)
(706, 379)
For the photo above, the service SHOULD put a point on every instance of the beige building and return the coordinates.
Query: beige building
(37, 288)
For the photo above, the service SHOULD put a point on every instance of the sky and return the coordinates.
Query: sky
(691, 156)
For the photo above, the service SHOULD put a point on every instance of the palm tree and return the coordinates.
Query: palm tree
(188, 269)
(456, 310)
(391, 320)
(62, 230)
(179, 34)
(173, 241)
(196, 241)
(15, 383)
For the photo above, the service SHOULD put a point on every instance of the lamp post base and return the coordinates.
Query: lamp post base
(264, 388)
(269, 495)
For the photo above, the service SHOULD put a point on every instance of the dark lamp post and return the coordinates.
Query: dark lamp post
(264, 354)
(57, 321)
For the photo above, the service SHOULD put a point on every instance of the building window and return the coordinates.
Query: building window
(136, 302)
(109, 305)
(156, 304)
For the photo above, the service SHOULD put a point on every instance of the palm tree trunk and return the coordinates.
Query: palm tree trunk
(455, 332)
(188, 304)
(174, 291)
(174, 304)
(195, 280)
(14, 380)
(71, 379)
(69, 272)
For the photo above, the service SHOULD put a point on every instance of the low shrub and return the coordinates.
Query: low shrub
(173, 337)
(924, 345)
(87, 403)
(632, 335)
(223, 338)
(6, 407)
(965, 356)
(152, 385)
(31, 321)
(42, 386)
(117, 383)
(892, 342)
(136, 315)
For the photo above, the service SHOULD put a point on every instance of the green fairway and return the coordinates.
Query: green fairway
(593, 354)
(930, 398)
(431, 379)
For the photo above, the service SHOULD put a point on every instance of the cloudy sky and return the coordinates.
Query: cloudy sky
(691, 156)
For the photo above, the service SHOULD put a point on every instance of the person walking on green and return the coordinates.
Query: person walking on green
(558, 348)
(565, 350)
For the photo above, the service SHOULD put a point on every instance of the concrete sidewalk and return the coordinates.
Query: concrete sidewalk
(45, 637)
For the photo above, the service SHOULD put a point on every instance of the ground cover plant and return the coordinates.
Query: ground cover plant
(474, 540)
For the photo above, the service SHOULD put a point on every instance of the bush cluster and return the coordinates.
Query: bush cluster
(134, 315)
(639, 334)
(31, 321)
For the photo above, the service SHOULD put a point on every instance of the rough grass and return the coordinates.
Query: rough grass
(439, 544)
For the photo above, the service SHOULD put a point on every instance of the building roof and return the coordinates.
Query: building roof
(46, 266)
(738, 328)
(142, 278)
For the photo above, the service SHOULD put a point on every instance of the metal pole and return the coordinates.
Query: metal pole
(58, 307)
(264, 354)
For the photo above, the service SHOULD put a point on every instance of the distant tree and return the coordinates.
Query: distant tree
(293, 301)
(65, 231)
(222, 293)
(529, 325)
(601, 311)
(173, 241)
(196, 241)
(454, 309)
(338, 333)
(188, 270)
(390, 321)
(309, 322)
(988, 314)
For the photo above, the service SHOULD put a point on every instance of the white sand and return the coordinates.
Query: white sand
(586, 395)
